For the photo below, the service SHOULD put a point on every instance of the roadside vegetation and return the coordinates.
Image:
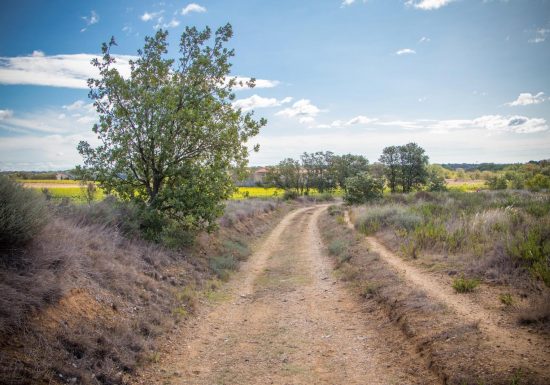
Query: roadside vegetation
(455, 349)
(86, 297)
(499, 236)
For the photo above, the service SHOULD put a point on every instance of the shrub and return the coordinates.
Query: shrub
(465, 285)
(221, 265)
(290, 194)
(22, 214)
(506, 299)
(538, 182)
(497, 182)
(337, 247)
(363, 188)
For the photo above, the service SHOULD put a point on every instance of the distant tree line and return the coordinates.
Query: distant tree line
(400, 168)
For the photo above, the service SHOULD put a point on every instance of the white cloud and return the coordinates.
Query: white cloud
(5, 114)
(147, 16)
(525, 99)
(424, 39)
(302, 109)
(193, 7)
(347, 2)
(360, 120)
(259, 83)
(488, 123)
(256, 101)
(427, 4)
(90, 20)
(406, 51)
(80, 117)
(540, 35)
(71, 71)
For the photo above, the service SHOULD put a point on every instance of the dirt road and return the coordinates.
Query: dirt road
(288, 321)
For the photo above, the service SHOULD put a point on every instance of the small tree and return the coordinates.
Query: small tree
(436, 178)
(286, 175)
(413, 163)
(391, 160)
(89, 190)
(346, 166)
(169, 132)
(363, 188)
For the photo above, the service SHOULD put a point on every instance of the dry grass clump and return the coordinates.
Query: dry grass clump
(501, 235)
(240, 210)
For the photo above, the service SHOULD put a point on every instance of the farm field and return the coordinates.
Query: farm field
(72, 189)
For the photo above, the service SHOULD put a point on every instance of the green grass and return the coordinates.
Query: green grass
(465, 285)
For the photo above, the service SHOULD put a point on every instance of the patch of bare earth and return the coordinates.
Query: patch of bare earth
(500, 351)
(286, 320)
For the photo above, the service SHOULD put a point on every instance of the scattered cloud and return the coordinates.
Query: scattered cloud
(540, 35)
(427, 5)
(406, 51)
(5, 114)
(303, 110)
(347, 2)
(424, 39)
(193, 7)
(90, 20)
(488, 123)
(259, 83)
(360, 120)
(256, 101)
(525, 99)
(70, 71)
(148, 16)
(69, 119)
(422, 99)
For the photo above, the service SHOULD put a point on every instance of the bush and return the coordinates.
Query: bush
(290, 194)
(465, 285)
(222, 265)
(538, 182)
(363, 188)
(23, 213)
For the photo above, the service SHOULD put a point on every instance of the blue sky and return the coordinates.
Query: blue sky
(468, 80)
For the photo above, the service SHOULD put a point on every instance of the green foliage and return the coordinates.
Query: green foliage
(363, 188)
(169, 133)
(290, 195)
(497, 182)
(223, 265)
(405, 166)
(23, 213)
(287, 175)
(318, 171)
(533, 249)
(465, 285)
(436, 178)
(538, 182)
(506, 299)
(346, 166)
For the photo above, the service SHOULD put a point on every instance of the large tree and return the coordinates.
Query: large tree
(169, 134)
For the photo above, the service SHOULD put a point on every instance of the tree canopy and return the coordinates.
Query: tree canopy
(169, 133)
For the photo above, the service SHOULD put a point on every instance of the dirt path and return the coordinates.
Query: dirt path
(511, 339)
(288, 321)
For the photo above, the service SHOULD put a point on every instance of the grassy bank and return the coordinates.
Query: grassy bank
(456, 350)
(86, 300)
(498, 236)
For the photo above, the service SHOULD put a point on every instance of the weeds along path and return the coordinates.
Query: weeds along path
(286, 320)
(512, 340)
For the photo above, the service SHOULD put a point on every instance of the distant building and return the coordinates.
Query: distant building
(259, 175)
